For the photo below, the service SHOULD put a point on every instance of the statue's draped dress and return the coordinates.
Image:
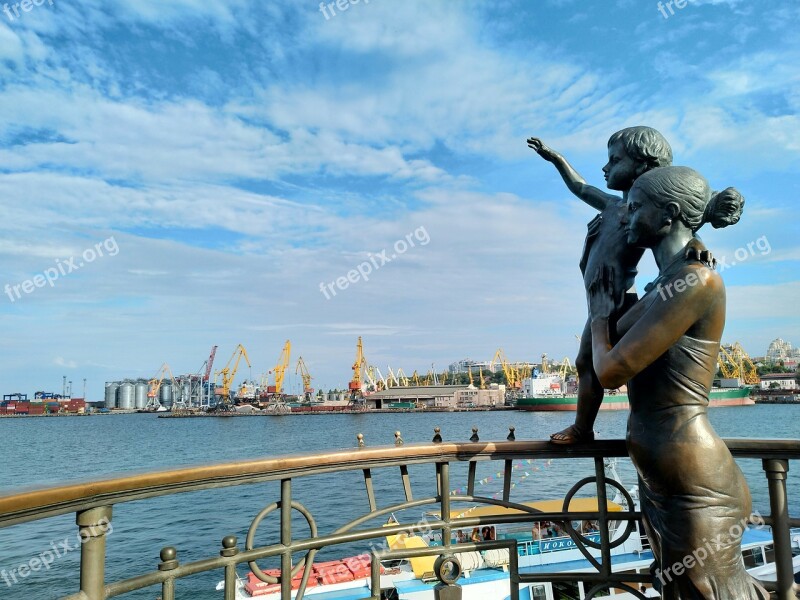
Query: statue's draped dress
(695, 501)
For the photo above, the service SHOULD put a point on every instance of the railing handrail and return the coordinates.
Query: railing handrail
(36, 504)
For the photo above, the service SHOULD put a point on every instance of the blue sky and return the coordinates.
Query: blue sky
(240, 154)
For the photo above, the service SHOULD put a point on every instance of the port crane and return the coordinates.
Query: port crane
(380, 381)
(734, 363)
(391, 380)
(359, 366)
(209, 364)
(302, 370)
(565, 369)
(511, 374)
(482, 378)
(280, 370)
(545, 366)
(370, 384)
(205, 385)
(525, 372)
(228, 375)
(154, 387)
(401, 378)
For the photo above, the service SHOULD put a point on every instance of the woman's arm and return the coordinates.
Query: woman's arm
(680, 303)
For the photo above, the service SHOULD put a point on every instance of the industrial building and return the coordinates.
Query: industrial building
(184, 391)
(436, 396)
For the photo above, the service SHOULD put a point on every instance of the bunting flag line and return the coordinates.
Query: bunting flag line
(491, 478)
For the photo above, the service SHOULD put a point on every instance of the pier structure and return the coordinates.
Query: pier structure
(450, 465)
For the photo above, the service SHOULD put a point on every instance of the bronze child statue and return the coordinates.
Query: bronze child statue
(631, 152)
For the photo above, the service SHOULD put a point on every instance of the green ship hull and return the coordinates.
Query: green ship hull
(718, 397)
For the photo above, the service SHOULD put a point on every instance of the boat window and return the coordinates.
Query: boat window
(752, 558)
(538, 592)
(564, 590)
(770, 552)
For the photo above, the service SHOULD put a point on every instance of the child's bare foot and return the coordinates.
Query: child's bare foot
(571, 435)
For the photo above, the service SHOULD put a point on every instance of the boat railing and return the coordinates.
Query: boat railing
(93, 502)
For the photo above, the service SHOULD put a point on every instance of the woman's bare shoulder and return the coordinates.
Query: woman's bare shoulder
(694, 279)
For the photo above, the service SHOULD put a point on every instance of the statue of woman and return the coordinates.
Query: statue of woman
(695, 501)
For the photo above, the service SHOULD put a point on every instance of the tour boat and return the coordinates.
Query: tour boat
(540, 549)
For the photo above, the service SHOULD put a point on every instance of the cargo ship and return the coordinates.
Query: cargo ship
(544, 393)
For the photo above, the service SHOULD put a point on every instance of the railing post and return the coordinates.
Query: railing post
(93, 525)
(169, 562)
(229, 549)
(444, 475)
(448, 570)
(286, 539)
(776, 470)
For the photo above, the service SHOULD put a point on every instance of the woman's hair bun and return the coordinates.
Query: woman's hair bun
(725, 208)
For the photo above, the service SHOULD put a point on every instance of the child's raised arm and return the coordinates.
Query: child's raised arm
(593, 196)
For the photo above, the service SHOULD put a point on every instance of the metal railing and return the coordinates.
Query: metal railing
(93, 502)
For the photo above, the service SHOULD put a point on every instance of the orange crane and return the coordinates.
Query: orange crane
(358, 367)
(280, 369)
(306, 376)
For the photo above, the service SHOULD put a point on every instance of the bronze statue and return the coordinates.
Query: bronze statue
(695, 500)
(631, 152)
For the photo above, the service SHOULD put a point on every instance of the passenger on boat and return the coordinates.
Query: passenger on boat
(460, 537)
(476, 535)
(488, 534)
(589, 527)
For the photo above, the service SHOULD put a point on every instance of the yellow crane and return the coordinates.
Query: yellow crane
(415, 378)
(358, 368)
(545, 366)
(229, 373)
(524, 372)
(471, 382)
(734, 363)
(302, 370)
(565, 369)
(391, 379)
(280, 369)
(402, 378)
(511, 374)
(431, 377)
(155, 385)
